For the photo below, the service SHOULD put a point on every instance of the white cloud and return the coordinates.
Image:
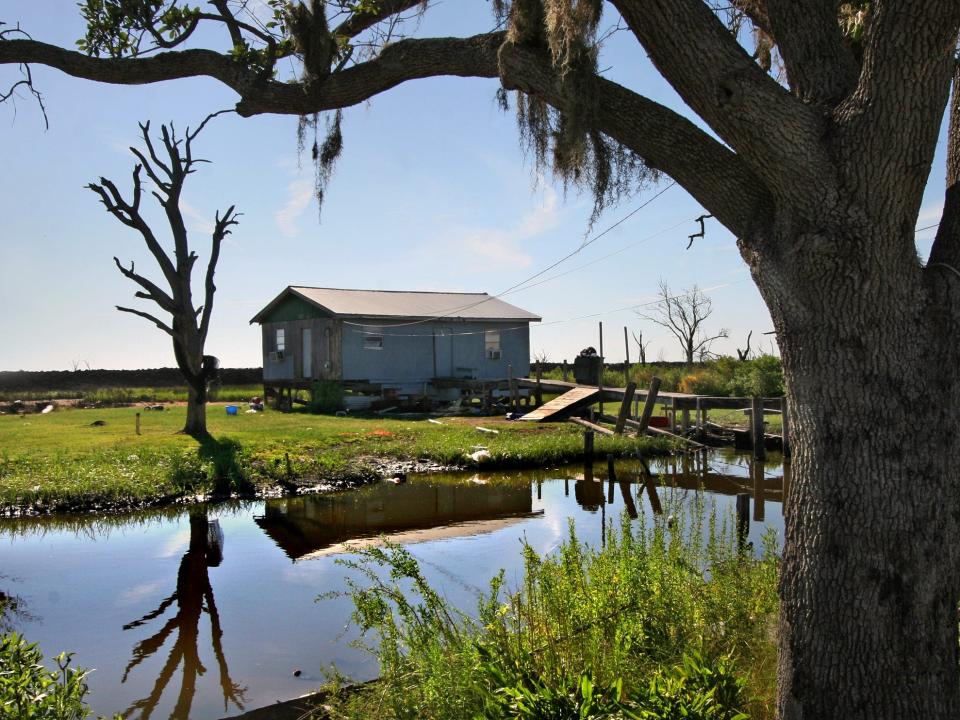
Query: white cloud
(299, 194)
(503, 247)
(137, 593)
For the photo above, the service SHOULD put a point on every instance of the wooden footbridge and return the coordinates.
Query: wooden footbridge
(636, 408)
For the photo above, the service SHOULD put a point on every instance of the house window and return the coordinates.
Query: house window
(373, 342)
(492, 341)
(281, 341)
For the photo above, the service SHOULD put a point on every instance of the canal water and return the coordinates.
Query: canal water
(203, 612)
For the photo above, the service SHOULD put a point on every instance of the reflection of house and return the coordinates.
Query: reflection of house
(304, 525)
(398, 341)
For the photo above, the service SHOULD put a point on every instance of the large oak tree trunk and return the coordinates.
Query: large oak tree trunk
(869, 582)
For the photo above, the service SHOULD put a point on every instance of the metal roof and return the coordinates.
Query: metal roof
(403, 304)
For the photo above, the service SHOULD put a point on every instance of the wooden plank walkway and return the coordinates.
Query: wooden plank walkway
(560, 407)
(678, 401)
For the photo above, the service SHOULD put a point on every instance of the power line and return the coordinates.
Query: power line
(633, 306)
(517, 286)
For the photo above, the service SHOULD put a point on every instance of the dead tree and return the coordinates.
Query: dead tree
(684, 316)
(745, 354)
(188, 325)
(641, 346)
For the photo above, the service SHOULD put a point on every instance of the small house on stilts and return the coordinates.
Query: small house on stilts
(387, 343)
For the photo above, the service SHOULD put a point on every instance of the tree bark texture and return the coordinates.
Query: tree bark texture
(821, 181)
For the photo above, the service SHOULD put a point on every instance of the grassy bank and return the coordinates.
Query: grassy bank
(667, 622)
(122, 395)
(89, 459)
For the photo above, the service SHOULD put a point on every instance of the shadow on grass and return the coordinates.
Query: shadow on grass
(228, 472)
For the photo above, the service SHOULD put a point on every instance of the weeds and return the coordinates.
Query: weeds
(28, 691)
(662, 622)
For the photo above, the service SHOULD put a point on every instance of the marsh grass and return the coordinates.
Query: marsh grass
(660, 617)
(65, 460)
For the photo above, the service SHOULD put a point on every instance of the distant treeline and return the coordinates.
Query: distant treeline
(25, 380)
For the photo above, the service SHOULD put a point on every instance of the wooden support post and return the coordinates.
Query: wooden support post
(626, 365)
(743, 519)
(566, 487)
(673, 414)
(539, 489)
(611, 472)
(785, 418)
(756, 425)
(648, 405)
(699, 416)
(565, 371)
(611, 485)
(588, 446)
(685, 420)
(756, 469)
(625, 408)
(138, 423)
(513, 406)
(602, 363)
(538, 392)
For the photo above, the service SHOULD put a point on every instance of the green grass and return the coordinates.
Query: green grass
(658, 621)
(62, 461)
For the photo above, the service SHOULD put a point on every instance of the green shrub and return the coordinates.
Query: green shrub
(761, 376)
(326, 396)
(29, 691)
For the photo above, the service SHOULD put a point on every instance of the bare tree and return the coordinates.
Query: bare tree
(745, 353)
(641, 346)
(188, 325)
(684, 315)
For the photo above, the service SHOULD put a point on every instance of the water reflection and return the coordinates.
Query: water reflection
(161, 575)
(314, 526)
(192, 597)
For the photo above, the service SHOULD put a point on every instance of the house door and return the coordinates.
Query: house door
(307, 348)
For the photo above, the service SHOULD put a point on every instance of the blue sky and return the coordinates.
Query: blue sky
(432, 192)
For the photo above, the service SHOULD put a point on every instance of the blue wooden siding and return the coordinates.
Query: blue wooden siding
(408, 353)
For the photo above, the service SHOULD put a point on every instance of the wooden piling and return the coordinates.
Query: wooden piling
(565, 371)
(588, 446)
(648, 405)
(538, 391)
(756, 425)
(756, 470)
(602, 363)
(611, 472)
(743, 518)
(625, 408)
(138, 423)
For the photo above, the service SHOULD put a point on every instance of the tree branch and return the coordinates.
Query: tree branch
(153, 292)
(714, 175)
(820, 66)
(777, 136)
(360, 21)
(908, 62)
(148, 316)
(220, 230)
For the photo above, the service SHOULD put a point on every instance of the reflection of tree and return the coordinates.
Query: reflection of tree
(193, 597)
(12, 610)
